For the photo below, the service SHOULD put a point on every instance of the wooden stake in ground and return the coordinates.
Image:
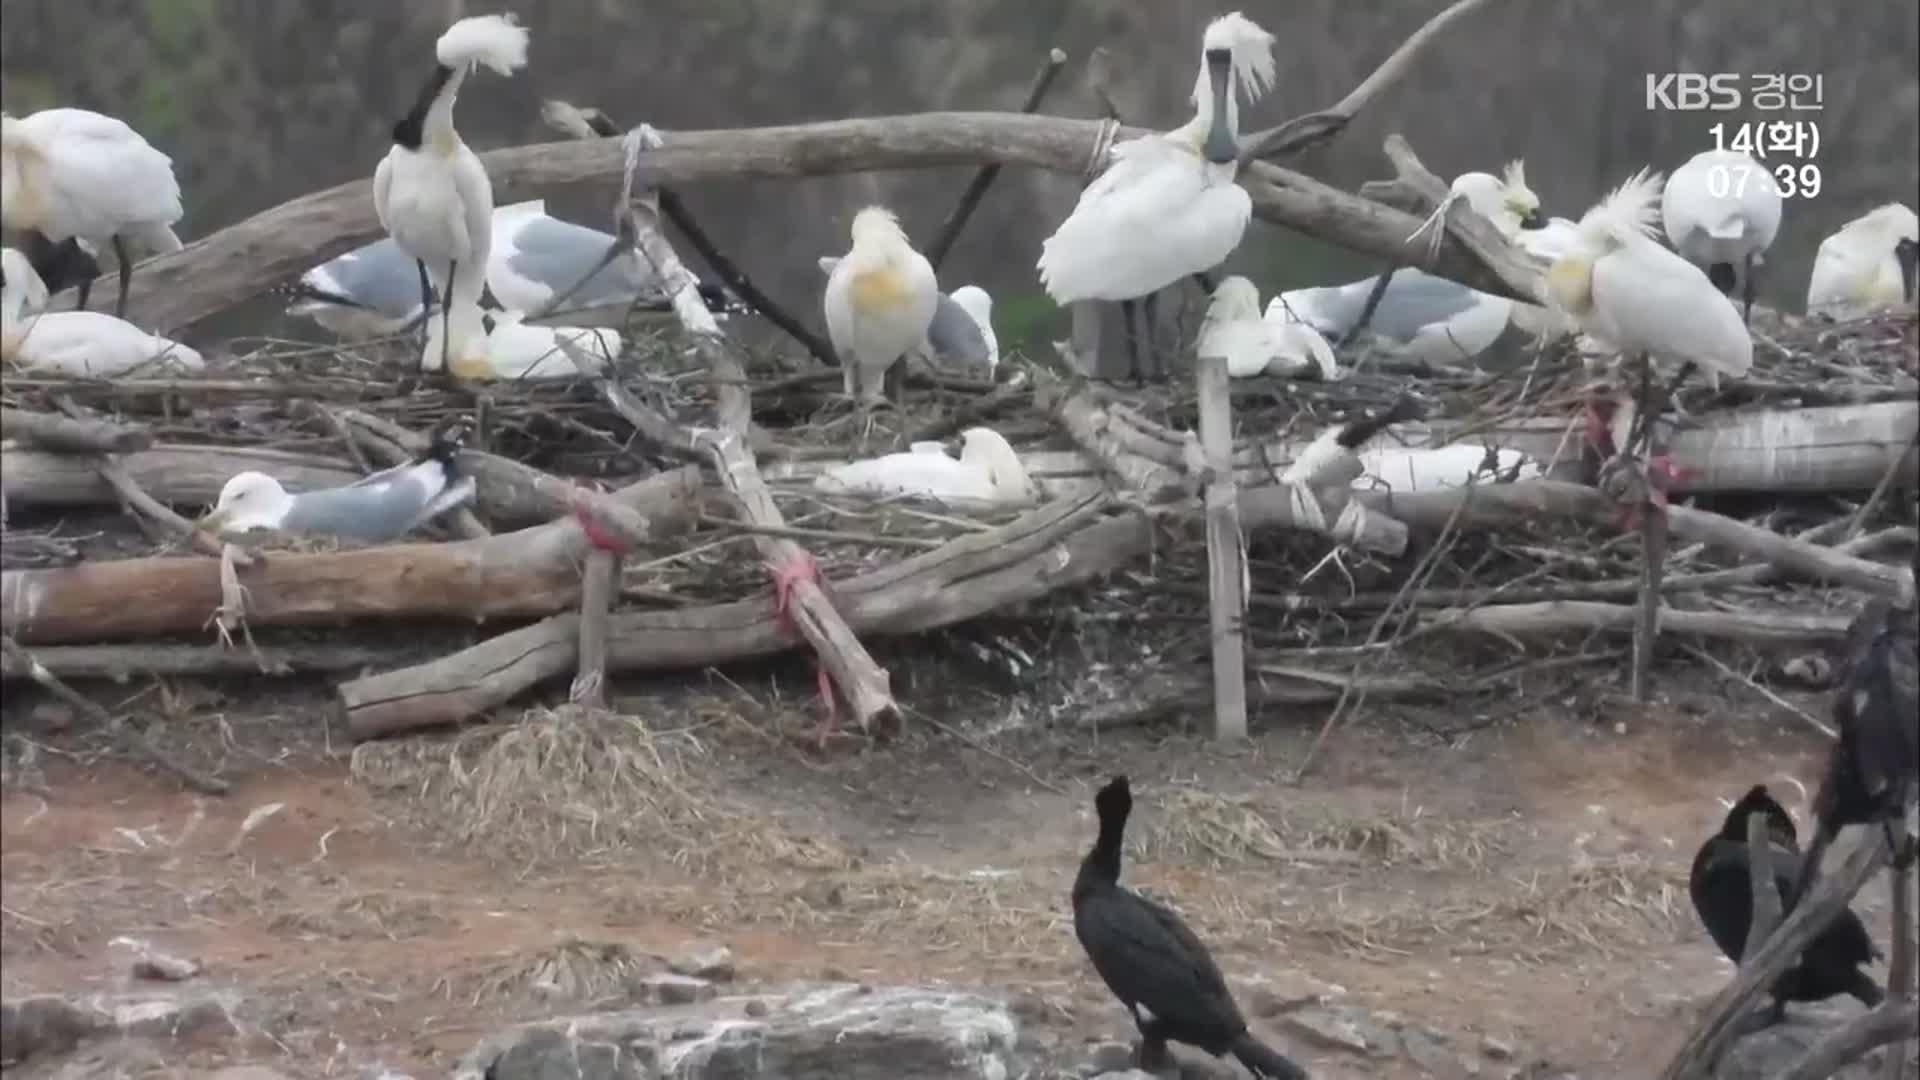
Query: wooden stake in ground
(1226, 555)
(798, 594)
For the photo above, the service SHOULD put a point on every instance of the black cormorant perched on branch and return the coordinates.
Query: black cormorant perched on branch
(1153, 963)
(1873, 769)
(1723, 897)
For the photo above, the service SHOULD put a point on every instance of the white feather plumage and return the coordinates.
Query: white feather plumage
(1404, 469)
(1721, 207)
(80, 344)
(879, 300)
(74, 172)
(1622, 286)
(514, 349)
(1855, 273)
(1161, 211)
(987, 471)
(976, 302)
(1275, 344)
(435, 199)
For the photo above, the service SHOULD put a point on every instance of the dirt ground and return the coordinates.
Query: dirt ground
(1517, 875)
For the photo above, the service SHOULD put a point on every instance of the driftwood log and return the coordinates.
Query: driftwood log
(531, 572)
(1056, 545)
(219, 271)
(61, 434)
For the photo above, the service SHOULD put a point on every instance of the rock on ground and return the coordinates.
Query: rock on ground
(837, 1032)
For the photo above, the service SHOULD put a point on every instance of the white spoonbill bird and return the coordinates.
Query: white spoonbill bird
(73, 174)
(1505, 200)
(987, 471)
(879, 301)
(83, 344)
(1252, 345)
(1722, 211)
(1621, 285)
(384, 506)
(1167, 206)
(1867, 266)
(510, 349)
(431, 192)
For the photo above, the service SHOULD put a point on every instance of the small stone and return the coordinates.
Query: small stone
(670, 989)
(1268, 996)
(248, 1072)
(381, 1072)
(1497, 1049)
(164, 967)
(52, 717)
(1428, 1050)
(177, 1018)
(45, 1025)
(712, 962)
(756, 1009)
(1340, 1027)
(1111, 1057)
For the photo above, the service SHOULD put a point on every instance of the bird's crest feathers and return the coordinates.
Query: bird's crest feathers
(1252, 48)
(877, 222)
(496, 41)
(1632, 208)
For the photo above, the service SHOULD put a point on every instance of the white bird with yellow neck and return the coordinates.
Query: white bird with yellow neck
(80, 344)
(430, 191)
(76, 174)
(1621, 285)
(879, 301)
(1276, 344)
(510, 349)
(1167, 206)
(1869, 265)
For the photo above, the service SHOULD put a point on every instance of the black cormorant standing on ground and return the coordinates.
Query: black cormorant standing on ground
(1153, 963)
(1723, 897)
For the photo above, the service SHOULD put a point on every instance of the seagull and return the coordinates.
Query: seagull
(1167, 206)
(81, 344)
(378, 508)
(961, 333)
(536, 257)
(1722, 211)
(430, 191)
(1866, 266)
(1252, 345)
(74, 174)
(1432, 319)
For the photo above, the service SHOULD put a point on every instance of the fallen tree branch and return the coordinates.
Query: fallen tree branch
(862, 682)
(143, 745)
(119, 663)
(60, 434)
(530, 572)
(1890, 1023)
(1719, 1023)
(976, 188)
(1051, 547)
(221, 270)
(1303, 131)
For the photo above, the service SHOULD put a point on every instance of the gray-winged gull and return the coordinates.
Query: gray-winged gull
(536, 257)
(369, 292)
(1436, 319)
(384, 506)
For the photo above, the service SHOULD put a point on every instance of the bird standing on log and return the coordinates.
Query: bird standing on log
(431, 192)
(879, 301)
(1167, 206)
(1722, 896)
(82, 182)
(1153, 963)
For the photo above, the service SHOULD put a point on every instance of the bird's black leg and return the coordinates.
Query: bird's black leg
(446, 322)
(126, 275)
(1130, 322)
(1153, 1054)
(85, 289)
(1668, 399)
(1149, 326)
(1746, 290)
(1642, 401)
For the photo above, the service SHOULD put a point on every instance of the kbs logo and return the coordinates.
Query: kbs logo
(1693, 92)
